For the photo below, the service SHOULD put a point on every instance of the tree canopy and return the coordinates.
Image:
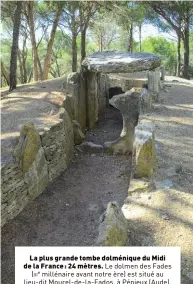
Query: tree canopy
(46, 39)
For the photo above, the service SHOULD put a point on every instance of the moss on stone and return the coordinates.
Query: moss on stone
(28, 146)
(145, 159)
(141, 185)
(78, 134)
(113, 230)
(123, 145)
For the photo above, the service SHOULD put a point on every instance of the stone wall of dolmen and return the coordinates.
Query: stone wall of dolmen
(28, 173)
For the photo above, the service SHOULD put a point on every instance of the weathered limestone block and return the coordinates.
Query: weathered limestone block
(90, 147)
(75, 103)
(119, 61)
(126, 83)
(141, 185)
(92, 100)
(128, 104)
(19, 187)
(39, 158)
(82, 102)
(69, 137)
(28, 146)
(68, 104)
(145, 100)
(58, 144)
(162, 71)
(144, 150)
(37, 175)
(73, 86)
(154, 82)
(113, 228)
(103, 88)
(78, 134)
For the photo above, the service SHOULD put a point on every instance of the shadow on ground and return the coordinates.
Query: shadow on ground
(67, 213)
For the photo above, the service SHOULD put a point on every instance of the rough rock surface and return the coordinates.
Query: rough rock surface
(118, 61)
(90, 147)
(141, 185)
(113, 227)
(78, 134)
(164, 217)
(76, 104)
(38, 103)
(67, 213)
(69, 105)
(126, 83)
(28, 146)
(39, 158)
(128, 105)
(144, 150)
(25, 178)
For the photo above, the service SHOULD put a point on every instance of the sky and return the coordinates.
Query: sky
(150, 30)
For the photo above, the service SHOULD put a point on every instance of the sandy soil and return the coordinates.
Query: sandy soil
(67, 213)
(165, 217)
(37, 102)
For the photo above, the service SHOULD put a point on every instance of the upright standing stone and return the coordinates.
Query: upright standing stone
(110, 62)
(78, 134)
(28, 146)
(113, 228)
(128, 104)
(76, 105)
(92, 104)
(154, 83)
(162, 70)
(103, 87)
(144, 150)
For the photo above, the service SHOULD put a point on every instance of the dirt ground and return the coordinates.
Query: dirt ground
(38, 102)
(165, 217)
(67, 213)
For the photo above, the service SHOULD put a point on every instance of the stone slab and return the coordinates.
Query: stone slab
(119, 61)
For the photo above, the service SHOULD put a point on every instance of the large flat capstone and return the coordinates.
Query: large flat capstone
(119, 61)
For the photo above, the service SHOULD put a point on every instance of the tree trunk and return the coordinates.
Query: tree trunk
(50, 44)
(30, 75)
(23, 55)
(5, 73)
(30, 6)
(186, 48)
(101, 43)
(24, 71)
(140, 26)
(20, 67)
(130, 46)
(14, 48)
(40, 68)
(83, 34)
(83, 43)
(179, 56)
(74, 53)
(74, 45)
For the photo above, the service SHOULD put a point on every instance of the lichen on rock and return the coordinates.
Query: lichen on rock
(144, 150)
(28, 146)
(141, 185)
(113, 228)
(78, 134)
(128, 104)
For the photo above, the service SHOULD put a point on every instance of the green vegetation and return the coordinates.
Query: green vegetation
(55, 36)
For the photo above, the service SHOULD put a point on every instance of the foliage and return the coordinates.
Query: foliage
(164, 48)
(86, 27)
